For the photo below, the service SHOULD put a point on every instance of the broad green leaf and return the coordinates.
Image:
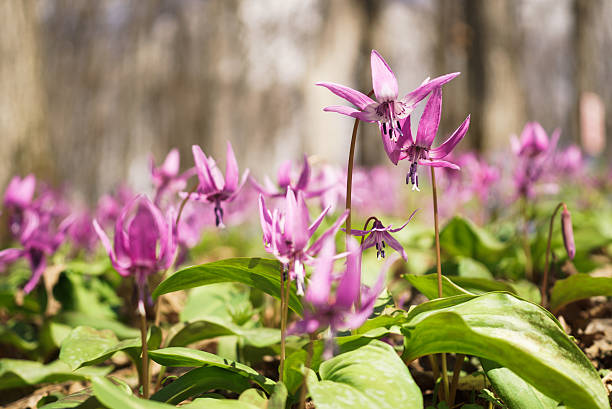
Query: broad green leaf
(84, 399)
(18, 334)
(213, 302)
(178, 356)
(260, 273)
(428, 285)
(461, 237)
(482, 285)
(278, 400)
(514, 391)
(200, 380)
(578, 287)
(113, 397)
(293, 374)
(75, 319)
(186, 333)
(210, 403)
(17, 372)
(372, 376)
(255, 397)
(517, 334)
(86, 346)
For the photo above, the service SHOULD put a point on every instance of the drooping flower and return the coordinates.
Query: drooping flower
(348, 305)
(568, 233)
(284, 182)
(388, 110)
(39, 239)
(379, 234)
(166, 178)
(145, 241)
(20, 192)
(287, 232)
(213, 187)
(418, 151)
(534, 150)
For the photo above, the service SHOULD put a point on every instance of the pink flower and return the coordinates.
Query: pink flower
(166, 178)
(387, 109)
(284, 182)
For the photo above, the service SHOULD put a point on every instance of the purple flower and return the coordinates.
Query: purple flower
(533, 150)
(109, 206)
(570, 161)
(166, 178)
(81, 231)
(568, 233)
(284, 182)
(387, 110)
(480, 174)
(286, 234)
(145, 241)
(379, 234)
(20, 192)
(418, 150)
(39, 239)
(349, 306)
(213, 187)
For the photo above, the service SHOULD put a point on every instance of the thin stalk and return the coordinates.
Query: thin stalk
(526, 246)
(365, 226)
(546, 265)
(307, 367)
(455, 382)
(143, 338)
(283, 323)
(439, 270)
(349, 175)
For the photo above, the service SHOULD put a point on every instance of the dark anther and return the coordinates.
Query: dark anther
(384, 126)
(218, 214)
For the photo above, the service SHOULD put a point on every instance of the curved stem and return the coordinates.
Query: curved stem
(365, 226)
(439, 271)
(544, 285)
(283, 323)
(349, 174)
(306, 368)
(143, 339)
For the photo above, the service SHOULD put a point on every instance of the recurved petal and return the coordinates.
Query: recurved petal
(355, 97)
(395, 149)
(172, 163)
(231, 170)
(405, 224)
(426, 87)
(383, 78)
(430, 120)
(9, 256)
(348, 289)
(302, 182)
(319, 285)
(352, 112)
(448, 145)
(314, 249)
(313, 227)
(437, 163)
(394, 244)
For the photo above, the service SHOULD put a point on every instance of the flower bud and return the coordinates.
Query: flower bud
(568, 233)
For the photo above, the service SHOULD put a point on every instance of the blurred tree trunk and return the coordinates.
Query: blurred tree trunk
(25, 142)
(496, 96)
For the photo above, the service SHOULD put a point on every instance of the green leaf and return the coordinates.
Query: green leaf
(578, 287)
(86, 346)
(200, 380)
(428, 286)
(482, 285)
(177, 356)
(113, 397)
(186, 333)
(514, 391)
(75, 319)
(255, 397)
(278, 400)
(17, 372)
(260, 273)
(210, 403)
(84, 399)
(372, 376)
(517, 334)
(461, 237)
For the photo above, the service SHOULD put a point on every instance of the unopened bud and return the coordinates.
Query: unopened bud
(568, 233)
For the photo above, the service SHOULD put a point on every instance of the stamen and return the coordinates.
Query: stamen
(218, 214)
(384, 126)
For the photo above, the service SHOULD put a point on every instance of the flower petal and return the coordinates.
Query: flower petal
(383, 79)
(405, 224)
(448, 145)
(347, 292)
(425, 88)
(430, 120)
(172, 163)
(320, 282)
(316, 246)
(302, 183)
(355, 97)
(313, 227)
(231, 170)
(366, 116)
(437, 163)
(394, 244)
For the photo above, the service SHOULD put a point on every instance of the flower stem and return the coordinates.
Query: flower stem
(439, 271)
(143, 338)
(306, 368)
(546, 265)
(349, 175)
(526, 246)
(455, 381)
(283, 323)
